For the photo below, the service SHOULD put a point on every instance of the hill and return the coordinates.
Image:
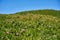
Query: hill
(30, 25)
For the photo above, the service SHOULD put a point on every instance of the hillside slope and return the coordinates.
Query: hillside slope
(30, 25)
(43, 12)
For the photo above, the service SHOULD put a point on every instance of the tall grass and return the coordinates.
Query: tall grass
(33, 25)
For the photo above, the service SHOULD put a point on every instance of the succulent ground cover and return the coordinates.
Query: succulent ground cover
(29, 27)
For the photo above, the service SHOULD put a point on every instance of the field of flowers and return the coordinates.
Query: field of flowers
(29, 27)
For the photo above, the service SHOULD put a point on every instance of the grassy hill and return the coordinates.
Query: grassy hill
(30, 25)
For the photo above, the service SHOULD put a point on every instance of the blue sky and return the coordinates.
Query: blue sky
(12, 6)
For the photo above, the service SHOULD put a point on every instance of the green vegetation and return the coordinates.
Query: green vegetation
(30, 25)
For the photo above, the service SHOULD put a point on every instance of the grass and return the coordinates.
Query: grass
(30, 26)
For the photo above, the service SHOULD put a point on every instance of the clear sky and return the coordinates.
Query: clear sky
(12, 6)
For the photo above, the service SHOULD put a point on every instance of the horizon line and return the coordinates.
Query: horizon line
(30, 10)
